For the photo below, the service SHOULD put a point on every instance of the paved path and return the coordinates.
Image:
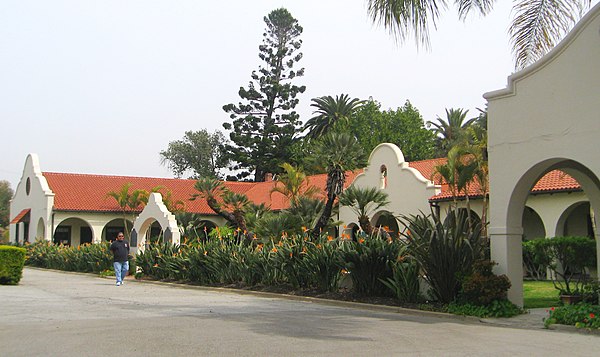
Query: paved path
(60, 314)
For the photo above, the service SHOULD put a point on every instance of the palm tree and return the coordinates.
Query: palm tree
(459, 173)
(452, 131)
(536, 28)
(477, 151)
(339, 153)
(211, 189)
(293, 184)
(237, 203)
(128, 202)
(330, 111)
(364, 202)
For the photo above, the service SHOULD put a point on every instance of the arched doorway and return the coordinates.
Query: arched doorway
(386, 221)
(576, 220)
(506, 245)
(112, 228)
(73, 231)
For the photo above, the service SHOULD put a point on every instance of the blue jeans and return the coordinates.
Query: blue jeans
(121, 269)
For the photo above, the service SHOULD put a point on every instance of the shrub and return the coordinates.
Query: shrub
(570, 256)
(92, 258)
(591, 292)
(12, 260)
(536, 259)
(483, 286)
(497, 308)
(368, 261)
(582, 315)
(322, 262)
(404, 282)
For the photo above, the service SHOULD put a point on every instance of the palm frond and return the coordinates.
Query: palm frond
(539, 25)
(466, 6)
(405, 17)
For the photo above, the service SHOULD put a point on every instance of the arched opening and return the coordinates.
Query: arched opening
(566, 176)
(41, 230)
(112, 228)
(533, 226)
(475, 219)
(73, 231)
(205, 227)
(576, 220)
(351, 231)
(384, 179)
(387, 222)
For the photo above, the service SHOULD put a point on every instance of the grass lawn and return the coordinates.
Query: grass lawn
(539, 294)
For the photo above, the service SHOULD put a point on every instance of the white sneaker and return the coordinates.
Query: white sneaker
(118, 284)
(123, 282)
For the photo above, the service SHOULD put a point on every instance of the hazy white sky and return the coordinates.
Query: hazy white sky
(103, 86)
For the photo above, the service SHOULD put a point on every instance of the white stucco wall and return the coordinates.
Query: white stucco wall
(546, 118)
(155, 210)
(408, 191)
(40, 200)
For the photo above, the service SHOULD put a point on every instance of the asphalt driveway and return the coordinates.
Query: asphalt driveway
(63, 314)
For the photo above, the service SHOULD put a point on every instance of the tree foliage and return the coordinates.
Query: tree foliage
(6, 194)
(403, 126)
(197, 154)
(129, 202)
(264, 123)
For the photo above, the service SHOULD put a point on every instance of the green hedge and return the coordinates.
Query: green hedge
(12, 260)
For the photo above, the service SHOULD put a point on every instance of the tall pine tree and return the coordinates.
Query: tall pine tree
(264, 124)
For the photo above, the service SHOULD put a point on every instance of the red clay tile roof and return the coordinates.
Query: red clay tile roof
(20, 216)
(82, 192)
(553, 181)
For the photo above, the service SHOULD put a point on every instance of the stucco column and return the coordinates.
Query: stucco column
(507, 250)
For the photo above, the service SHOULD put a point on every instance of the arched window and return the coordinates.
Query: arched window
(383, 182)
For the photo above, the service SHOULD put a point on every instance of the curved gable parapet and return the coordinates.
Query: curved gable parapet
(33, 172)
(155, 210)
(390, 156)
(392, 148)
(585, 24)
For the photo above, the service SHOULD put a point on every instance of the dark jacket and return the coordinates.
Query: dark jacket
(120, 249)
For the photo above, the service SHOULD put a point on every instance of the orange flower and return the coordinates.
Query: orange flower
(304, 229)
(318, 246)
(329, 238)
(155, 265)
(361, 240)
(205, 252)
(274, 250)
(291, 254)
(344, 271)
(592, 315)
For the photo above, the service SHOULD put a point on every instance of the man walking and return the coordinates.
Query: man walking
(120, 250)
